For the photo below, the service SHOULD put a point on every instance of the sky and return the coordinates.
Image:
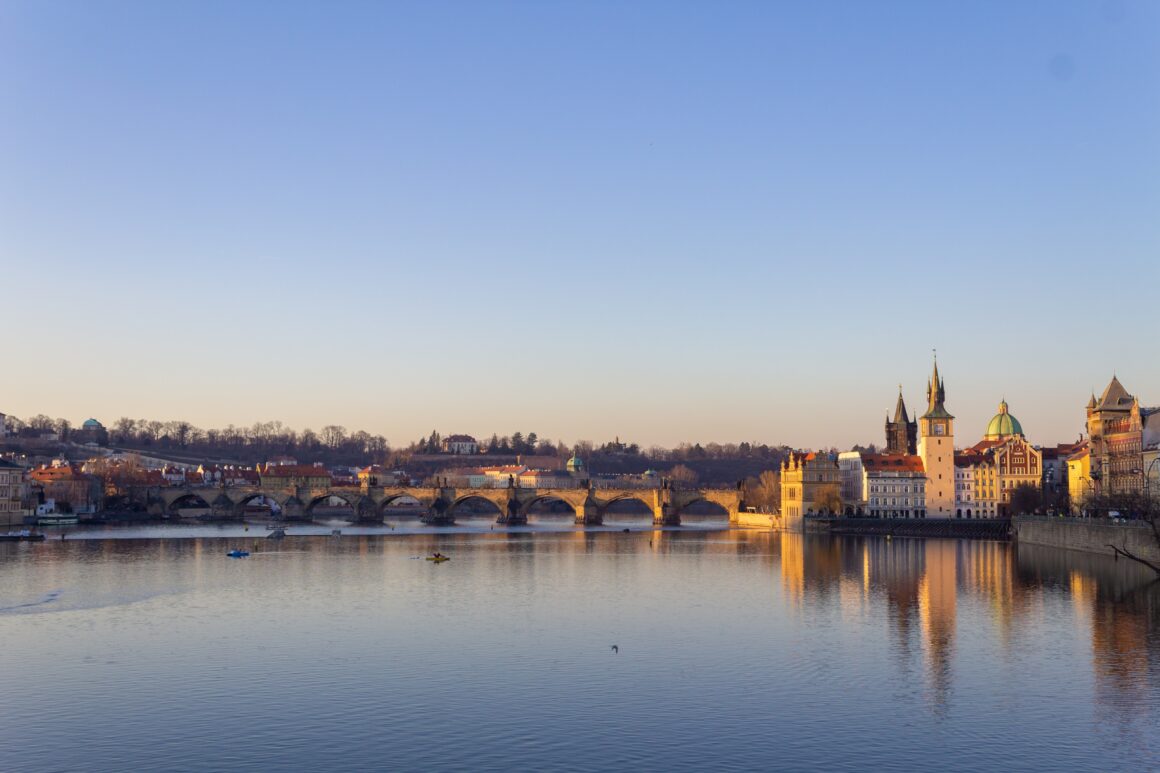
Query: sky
(660, 221)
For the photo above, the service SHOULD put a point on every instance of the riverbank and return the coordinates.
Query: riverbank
(934, 528)
(1088, 535)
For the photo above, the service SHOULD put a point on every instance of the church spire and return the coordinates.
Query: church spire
(936, 395)
(900, 408)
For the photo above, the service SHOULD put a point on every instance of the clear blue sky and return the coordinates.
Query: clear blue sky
(667, 221)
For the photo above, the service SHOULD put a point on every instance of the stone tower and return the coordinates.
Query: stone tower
(902, 433)
(936, 446)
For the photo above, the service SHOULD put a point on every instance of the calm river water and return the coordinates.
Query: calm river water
(738, 650)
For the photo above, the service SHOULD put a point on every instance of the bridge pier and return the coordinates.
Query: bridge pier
(665, 514)
(367, 512)
(439, 514)
(513, 514)
(589, 514)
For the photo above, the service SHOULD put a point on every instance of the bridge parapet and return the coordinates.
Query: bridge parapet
(590, 503)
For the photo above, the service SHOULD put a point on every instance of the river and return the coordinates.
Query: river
(734, 650)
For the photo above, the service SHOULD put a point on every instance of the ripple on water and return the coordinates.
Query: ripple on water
(737, 651)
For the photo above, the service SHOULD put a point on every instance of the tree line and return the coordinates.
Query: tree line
(335, 444)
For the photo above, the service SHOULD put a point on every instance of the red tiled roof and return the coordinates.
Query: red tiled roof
(48, 474)
(893, 463)
(295, 471)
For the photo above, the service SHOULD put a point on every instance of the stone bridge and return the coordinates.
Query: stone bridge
(441, 502)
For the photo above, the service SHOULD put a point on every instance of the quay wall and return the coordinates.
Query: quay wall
(775, 521)
(1088, 535)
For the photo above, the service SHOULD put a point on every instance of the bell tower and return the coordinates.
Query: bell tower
(936, 446)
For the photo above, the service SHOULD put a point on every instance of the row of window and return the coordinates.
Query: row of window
(893, 489)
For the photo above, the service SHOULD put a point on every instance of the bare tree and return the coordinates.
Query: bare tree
(683, 475)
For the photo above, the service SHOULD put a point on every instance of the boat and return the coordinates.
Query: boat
(57, 520)
(21, 536)
(238, 553)
(438, 558)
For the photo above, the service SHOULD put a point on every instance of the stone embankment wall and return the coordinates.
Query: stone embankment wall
(1088, 535)
(768, 521)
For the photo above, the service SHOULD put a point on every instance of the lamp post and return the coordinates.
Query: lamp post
(1148, 476)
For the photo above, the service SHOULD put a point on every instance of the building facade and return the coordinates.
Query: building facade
(1115, 430)
(1079, 480)
(460, 444)
(810, 485)
(12, 492)
(895, 485)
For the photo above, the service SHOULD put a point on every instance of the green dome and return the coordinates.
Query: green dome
(1003, 424)
(575, 464)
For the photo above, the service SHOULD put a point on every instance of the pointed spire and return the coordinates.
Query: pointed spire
(936, 395)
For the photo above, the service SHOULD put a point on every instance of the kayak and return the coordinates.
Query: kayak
(438, 559)
(238, 553)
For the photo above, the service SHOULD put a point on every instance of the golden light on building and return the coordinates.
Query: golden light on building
(793, 571)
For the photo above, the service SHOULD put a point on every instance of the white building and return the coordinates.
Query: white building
(894, 485)
(852, 482)
(460, 444)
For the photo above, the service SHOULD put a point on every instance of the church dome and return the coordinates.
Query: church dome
(1003, 424)
(575, 464)
(92, 424)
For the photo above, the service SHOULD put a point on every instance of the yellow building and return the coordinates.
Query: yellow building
(11, 494)
(1079, 479)
(810, 485)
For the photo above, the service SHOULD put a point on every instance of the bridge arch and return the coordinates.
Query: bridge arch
(494, 507)
(351, 501)
(249, 498)
(188, 500)
(643, 505)
(542, 499)
(703, 506)
(399, 499)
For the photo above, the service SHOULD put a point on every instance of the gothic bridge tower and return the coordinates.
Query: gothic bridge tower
(902, 433)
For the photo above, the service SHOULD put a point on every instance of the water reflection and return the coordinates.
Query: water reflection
(896, 641)
(1116, 605)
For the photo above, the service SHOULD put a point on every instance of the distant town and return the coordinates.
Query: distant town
(52, 472)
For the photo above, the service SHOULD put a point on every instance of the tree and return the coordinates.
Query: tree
(763, 492)
(830, 502)
(123, 430)
(1025, 498)
(682, 475)
(1139, 506)
(181, 432)
(333, 436)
